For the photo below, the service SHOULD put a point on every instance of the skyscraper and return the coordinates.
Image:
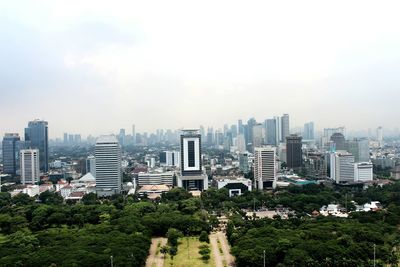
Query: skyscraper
(339, 141)
(108, 166)
(133, 135)
(309, 131)
(10, 151)
(294, 154)
(249, 141)
(240, 127)
(29, 163)
(278, 130)
(91, 165)
(191, 176)
(258, 135)
(270, 126)
(359, 147)
(342, 167)
(37, 134)
(379, 135)
(265, 167)
(285, 127)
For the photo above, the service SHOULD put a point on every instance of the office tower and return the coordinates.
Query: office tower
(71, 140)
(165, 178)
(249, 138)
(339, 141)
(65, 138)
(29, 163)
(121, 137)
(108, 166)
(91, 165)
(133, 135)
(285, 127)
(241, 143)
(244, 162)
(265, 167)
(270, 129)
(191, 176)
(203, 133)
(170, 158)
(10, 150)
(379, 135)
(234, 131)
(37, 134)
(258, 135)
(78, 138)
(308, 131)
(363, 172)
(342, 167)
(294, 154)
(240, 127)
(359, 147)
(278, 130)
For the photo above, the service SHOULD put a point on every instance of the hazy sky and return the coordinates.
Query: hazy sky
(98, 66)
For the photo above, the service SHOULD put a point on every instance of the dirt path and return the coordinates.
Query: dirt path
(229, 259)
(225, 259)
(156, 259)
(215, 250)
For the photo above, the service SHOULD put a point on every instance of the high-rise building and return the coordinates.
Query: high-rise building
(37, 134)
(379, 135)
(170, 158)
(309, 131)
(265, 167)
(359, 147)
(91, 165)
(244, 162)
(285, 127)
(108, 166)
(294, 154)
(250, 132)
(339, 141)
(241, 143)
(133, 135)
(65, 138)
(29, 163)
(10, 151)
(270, 129)
(240, 127)
(191, 176)
(121, 137)
(258, 135)
(342, 167)
(278, 130)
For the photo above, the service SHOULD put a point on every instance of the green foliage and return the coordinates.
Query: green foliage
(173, 236)
(204, 237)
(51, 198)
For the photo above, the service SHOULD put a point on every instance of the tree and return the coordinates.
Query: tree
(89, 199)
(173, 236)
(173, 251)
(164, 250)
(52, 198)
(204, 237)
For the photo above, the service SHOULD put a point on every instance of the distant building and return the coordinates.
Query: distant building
(91, 165)
(285, 127)
(170, 158)
(258, 135)
(294, 154)
(37, 134)
(29, 162)
(379, 135)
(270, 129)
(342, 167)
(265, 167)
(359, 147)
(108, 166)
(165, 178)
(191, 177)
(363, 172)
(309, 131)
(339, 141)
(236, 185)
(244, 162)
(10, 151)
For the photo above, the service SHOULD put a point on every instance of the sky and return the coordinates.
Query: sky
(93, 67)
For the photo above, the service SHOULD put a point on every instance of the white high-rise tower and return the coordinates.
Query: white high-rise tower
(108, 166)
(265, 167)
(29, 162)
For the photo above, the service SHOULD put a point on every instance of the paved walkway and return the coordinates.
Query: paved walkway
(154, 259)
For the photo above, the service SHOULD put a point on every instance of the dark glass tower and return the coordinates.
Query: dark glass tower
(293, 152)
(37, 134)
(10, 153)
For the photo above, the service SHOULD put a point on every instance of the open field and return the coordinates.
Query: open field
(188, 254)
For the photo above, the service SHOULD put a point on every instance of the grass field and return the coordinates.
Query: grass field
(185, 259)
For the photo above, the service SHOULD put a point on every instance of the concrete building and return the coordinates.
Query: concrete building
(165, 178)
(244, 162)
(258, 135)
(363, 172)
(236, 185)
(342, 167)
(265, 167)
(37, 134)
(338, 141)
(29, 163)
(379, 135)
(108, 166)
(294, 154)
(191, 177)
(270, 132)
(9, 152)
(170, 158)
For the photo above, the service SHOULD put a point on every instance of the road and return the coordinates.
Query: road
(225, 259)
(156, 259)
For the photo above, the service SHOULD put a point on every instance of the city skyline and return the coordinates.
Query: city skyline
(93, 67)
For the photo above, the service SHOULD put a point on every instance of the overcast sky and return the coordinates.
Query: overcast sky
(93, 67)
